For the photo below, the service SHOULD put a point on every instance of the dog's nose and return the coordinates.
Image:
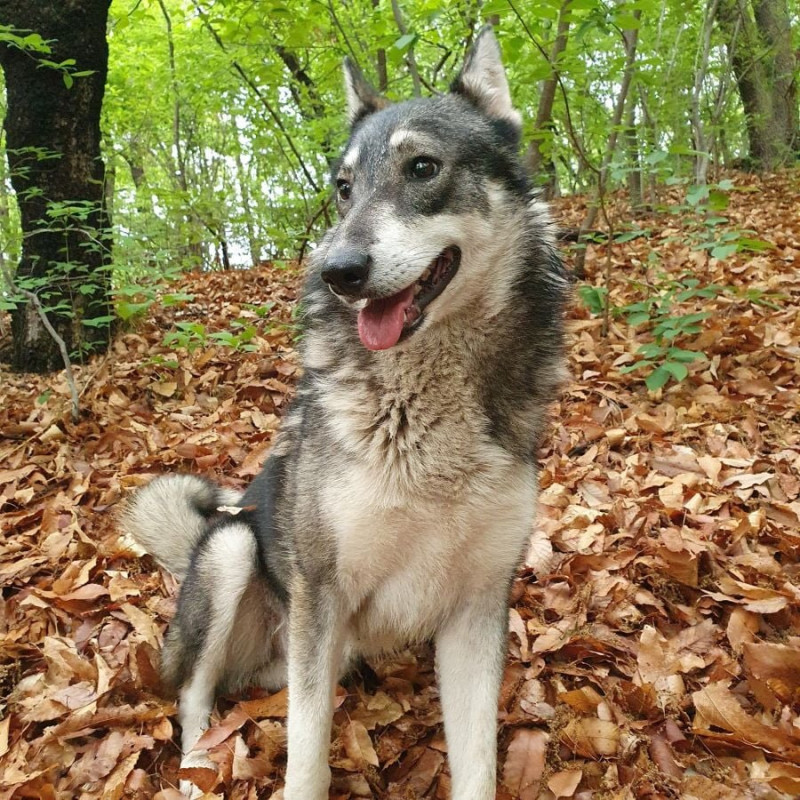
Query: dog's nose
(347, 271)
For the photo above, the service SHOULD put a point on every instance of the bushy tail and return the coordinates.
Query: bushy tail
(168, 516)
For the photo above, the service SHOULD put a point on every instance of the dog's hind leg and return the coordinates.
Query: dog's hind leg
(209, 610)
(470, 651)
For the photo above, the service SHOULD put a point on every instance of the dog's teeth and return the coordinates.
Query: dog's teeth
(417, 289)
(426, 274)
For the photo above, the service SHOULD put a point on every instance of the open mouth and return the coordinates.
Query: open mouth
(383, 322)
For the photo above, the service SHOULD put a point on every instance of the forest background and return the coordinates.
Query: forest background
(219, 123)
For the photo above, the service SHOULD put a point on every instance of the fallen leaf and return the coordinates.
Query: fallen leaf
(564, 783)
(525, 762)
(591, 737)
(358, 745)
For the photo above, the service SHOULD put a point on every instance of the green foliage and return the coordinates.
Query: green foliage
(593, 297)
(35, 46)
(192, 335)
(76, 223)
(665, 313)
(201, 157)
(707, 203)
(662, 316)
(221, 120)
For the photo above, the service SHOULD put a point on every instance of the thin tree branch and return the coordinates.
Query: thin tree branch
(570, 127)
(33, 298)
(321, 211)
(338, 24)
(265, 102)
(410, 60)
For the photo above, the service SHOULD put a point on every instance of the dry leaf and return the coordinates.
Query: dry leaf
(524, 765)
(564, 783)
(591, 737)
(358, 745)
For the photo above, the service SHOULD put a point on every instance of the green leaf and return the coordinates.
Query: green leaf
(651, 350)
(656, 157)
(99, 322)
(627, 22)
(174, 298)
(638, 318)
(724, 250)
(127, 310)
(657, 378)
(717, 200)
(687, 356)
(630, 235)
(755, 245)
(633, 367)
(696, 195)
(593, 297)
(404, 42)
(67, 78)
(678, 370)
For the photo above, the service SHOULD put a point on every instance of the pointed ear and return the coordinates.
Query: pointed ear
(482, 80)
(362, 99)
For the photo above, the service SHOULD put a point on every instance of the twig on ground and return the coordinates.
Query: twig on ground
(62, 346)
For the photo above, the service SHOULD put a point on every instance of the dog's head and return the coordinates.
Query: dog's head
(430, 194)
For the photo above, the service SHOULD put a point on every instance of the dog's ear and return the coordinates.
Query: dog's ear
(483, 82)
(362, 99)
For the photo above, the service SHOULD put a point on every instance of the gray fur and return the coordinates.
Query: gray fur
(168, 517)
(398, 499)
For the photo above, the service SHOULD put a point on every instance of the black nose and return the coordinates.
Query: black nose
(347, 271)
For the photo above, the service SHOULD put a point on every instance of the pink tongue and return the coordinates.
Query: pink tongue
(380, 322)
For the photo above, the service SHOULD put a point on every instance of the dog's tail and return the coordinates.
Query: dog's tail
(168, 516)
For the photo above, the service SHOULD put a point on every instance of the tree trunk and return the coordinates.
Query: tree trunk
(754, 64)
(540, 151)
(702, 142)
(247, 207)
(631, 40)
(634, 164)
(53, 137)
(772, 18)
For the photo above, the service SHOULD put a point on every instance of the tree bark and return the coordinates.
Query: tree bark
(754, 60)
(53, 138)
(772, 18)
(634, 164)
(702, 142)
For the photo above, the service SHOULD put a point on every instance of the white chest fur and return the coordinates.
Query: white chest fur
(429, 509)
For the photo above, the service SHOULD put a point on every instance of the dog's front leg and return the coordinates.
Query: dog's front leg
(470, 652)
(315, 654)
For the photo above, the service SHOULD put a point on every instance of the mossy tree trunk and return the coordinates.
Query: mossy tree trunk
(758, 37)
(53, 138)
(773, 21)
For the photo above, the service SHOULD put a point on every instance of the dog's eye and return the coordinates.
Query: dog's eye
(344, 189)
(423, 168)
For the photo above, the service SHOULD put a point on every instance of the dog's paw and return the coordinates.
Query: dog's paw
(188, 789)
(198, 774)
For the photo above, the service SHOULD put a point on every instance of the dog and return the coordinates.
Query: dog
(398, 499)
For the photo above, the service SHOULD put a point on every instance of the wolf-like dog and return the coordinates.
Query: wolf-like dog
(398, 499)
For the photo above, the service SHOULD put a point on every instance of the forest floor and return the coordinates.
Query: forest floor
(654, 647)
